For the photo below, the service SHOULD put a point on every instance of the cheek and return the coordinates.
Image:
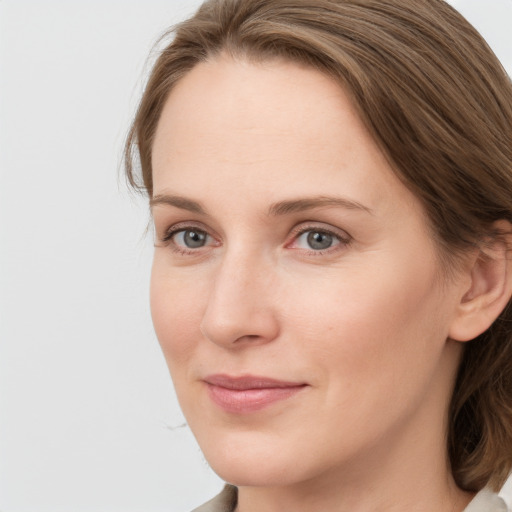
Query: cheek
(177, 305)
(378, 326)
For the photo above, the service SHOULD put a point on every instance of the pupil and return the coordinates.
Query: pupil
(319, 241)
(194, 239)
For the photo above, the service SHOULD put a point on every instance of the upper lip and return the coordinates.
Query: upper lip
(249, 382)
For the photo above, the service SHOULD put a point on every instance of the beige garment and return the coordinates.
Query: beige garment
(484, 501)
(224, 502)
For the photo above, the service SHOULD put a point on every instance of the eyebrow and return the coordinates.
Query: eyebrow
(309, 203)
(177, 201)
(276, 209)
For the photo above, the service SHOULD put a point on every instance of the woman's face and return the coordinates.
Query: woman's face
(296, 290)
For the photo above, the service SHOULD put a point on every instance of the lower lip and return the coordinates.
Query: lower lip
(239, 401)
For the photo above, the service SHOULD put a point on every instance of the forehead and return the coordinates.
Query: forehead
(234, 121)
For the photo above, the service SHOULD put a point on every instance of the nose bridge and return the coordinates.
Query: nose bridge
(241, 303)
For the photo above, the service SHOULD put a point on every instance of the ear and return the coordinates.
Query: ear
(490, 288)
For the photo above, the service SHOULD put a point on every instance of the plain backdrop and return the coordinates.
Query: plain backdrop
(88, 418)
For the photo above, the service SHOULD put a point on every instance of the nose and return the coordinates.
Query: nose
(241, 307)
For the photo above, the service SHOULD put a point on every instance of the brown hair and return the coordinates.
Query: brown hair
(439, 104)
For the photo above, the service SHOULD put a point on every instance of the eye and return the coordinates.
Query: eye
(189, 238)
(317, 240)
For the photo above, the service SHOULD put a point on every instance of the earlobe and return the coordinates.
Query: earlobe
(490, 287)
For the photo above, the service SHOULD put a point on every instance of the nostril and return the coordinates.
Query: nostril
(248, 337)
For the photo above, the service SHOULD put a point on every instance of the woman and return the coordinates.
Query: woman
(331, 188)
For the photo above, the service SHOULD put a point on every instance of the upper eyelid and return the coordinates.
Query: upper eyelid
(304, 227)
(184, 225)
(295, 231)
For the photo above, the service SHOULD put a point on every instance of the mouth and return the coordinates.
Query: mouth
(245, 394)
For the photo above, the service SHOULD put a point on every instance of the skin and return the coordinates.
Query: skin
(366, 323)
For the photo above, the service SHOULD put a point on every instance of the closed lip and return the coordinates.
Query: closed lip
(249, 393)
(246, 382)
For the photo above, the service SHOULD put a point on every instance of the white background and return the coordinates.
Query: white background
(88, 418)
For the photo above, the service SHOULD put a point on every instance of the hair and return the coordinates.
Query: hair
(439, 104)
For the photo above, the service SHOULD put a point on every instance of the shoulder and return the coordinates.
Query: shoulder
(223, 502)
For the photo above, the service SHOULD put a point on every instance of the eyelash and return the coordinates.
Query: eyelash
(179, 228)
(343, 239)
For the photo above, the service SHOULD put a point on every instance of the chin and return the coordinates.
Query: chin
(257, 459)
(244, 473)
(251, 462)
